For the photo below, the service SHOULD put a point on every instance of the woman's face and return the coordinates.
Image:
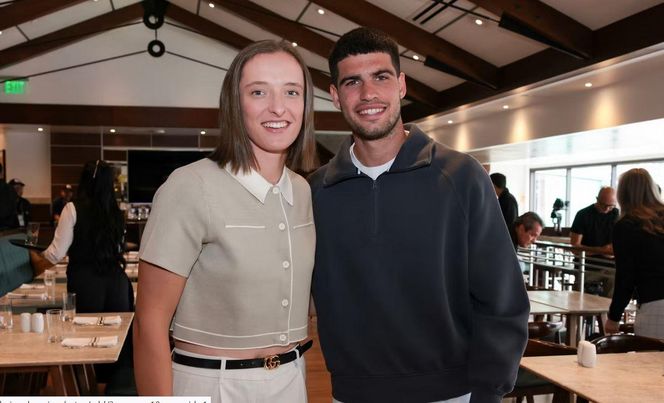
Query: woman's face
(272, 101)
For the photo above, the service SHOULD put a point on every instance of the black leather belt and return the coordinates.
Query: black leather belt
(269, 362)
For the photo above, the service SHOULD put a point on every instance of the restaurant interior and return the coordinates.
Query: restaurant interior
(560, 96)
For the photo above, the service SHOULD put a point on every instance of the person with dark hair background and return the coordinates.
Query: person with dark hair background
(508, 204)
(8, 199)
(526, 229)
(638, 244)
(90, 232)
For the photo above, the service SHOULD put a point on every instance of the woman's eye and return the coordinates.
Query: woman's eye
(257, 92)
(293, 93)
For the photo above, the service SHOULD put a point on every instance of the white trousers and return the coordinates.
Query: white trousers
(253, 385)
(459, 399)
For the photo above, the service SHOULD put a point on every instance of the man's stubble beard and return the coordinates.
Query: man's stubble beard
(375, 134)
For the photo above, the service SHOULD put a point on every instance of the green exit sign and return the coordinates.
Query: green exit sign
(15, 86)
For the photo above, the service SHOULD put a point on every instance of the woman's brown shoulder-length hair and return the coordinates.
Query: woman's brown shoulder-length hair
(234, 146)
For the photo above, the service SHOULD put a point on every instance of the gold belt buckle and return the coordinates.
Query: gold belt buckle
(271, 362)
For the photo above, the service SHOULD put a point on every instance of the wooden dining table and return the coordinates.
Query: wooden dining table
(69, 368)
(616, 378)
(30, 303)
(574, 305)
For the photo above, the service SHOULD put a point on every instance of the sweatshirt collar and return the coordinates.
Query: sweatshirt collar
(416, 152)
(259, 186)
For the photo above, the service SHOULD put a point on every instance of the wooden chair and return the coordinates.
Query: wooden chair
(544, 329)
(623, 343)
(528, 384)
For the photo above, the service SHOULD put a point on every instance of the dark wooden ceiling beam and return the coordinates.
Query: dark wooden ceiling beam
(69, 35)
(555, 28)
(27, 10)
(212, 30)
(444, 54)
(134, 116)
(628, 35)
(312, 41)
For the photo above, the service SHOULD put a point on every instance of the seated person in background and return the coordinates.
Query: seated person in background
(526, 229)
(8, 199)
(508, 204)
(638, 243)
(23, 206)
(66, 194)
(592, 231)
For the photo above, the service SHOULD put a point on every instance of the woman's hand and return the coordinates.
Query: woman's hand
(611, 326)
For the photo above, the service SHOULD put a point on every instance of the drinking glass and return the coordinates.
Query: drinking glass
(6, 319)
(68, 310)
(32, 233)
(49, 278)
(54, 325)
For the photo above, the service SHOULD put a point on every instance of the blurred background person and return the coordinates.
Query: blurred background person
(638, 245)
(23, 206)
(508, 204)
(8, 199)
(66, 195)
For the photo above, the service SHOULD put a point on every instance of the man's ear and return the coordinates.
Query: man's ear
(402, 85)
(335, 96)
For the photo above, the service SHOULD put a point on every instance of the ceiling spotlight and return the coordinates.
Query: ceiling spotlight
(416, 57)
(40, 129)
(450, 122)
(294, 44)
(479, 21)
(211, 4)
(0, 32)
(160, 131)
(506, 106)
(203, 132)
(321, 11)
(588, 85)
(112, 130)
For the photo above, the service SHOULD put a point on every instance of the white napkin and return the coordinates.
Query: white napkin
(75, 342)
(94, 320)
(20, 295)
(32, 286)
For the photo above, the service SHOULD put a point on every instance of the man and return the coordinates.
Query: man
(526, 229)
(59, 203)
(592, 232)
(508, 205)
(418, 294)
(23, 206)
(8, 200)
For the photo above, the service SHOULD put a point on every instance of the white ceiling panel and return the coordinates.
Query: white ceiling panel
(329, 21)
(496, 45)
(290, 9)
(124, 3)
(10, 37)
(313, 60)
(197, 47)
(596, 14)
(189, 5)
(64, 18)
(236, 24)
(407, 10)
(433, 78)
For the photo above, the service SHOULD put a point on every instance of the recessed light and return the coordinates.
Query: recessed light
(160, 131)
(479, 21)
(112, 130)
(416, 57)
(450, 121)
(588, 85)
(294, 44)
(40, 129)
(203, 132)
(506, 106)
(321, 11)
(211, 5)
(0, 32)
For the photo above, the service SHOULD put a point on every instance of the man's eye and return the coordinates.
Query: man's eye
(293, 93)
(351, 83)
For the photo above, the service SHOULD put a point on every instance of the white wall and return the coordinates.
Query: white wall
(28, 158)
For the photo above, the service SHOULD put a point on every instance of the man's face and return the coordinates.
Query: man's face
(369, 94)
(527, 237)
(19, 190)
(606, 201)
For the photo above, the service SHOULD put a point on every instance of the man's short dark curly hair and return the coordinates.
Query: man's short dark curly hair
(361, 41)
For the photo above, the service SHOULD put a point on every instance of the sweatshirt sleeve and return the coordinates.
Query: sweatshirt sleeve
(499, 302)
(625, 239)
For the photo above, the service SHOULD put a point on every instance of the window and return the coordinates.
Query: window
(548, 185)
(585, 184)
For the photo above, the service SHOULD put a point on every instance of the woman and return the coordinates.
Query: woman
(91, 231)
(638, 244)
(229, 246)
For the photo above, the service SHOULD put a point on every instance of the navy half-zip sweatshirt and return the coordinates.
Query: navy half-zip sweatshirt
(416, 284)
